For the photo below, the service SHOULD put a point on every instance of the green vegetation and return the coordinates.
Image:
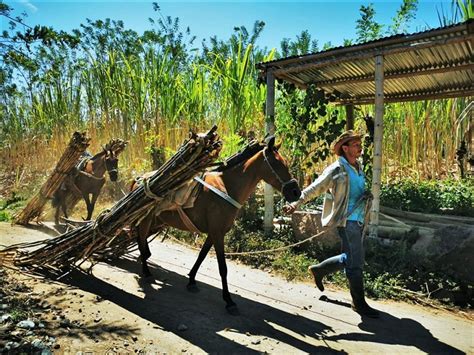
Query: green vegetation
(151, 88)
(438, 196)
(10, 206)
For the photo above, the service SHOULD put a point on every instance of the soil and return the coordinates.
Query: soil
(113, 310)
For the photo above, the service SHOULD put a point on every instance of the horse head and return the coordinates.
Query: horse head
(111, 164)
(278, 174)
(112, 149)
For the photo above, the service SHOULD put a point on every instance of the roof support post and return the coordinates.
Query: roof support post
(349, 116)
(378, 134)
(269, 130)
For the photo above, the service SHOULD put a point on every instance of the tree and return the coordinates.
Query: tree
(302, 45)
(405, 14)
(367, 28)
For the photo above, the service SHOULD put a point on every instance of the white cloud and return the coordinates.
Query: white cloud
(29, 5)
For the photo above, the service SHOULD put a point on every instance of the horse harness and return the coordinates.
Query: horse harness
(184, 217)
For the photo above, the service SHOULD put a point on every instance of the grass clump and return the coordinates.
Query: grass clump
(8, 207)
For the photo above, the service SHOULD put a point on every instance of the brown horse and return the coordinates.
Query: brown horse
(88, 179)
(214, 215)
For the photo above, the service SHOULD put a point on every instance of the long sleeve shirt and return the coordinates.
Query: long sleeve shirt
(334, 182)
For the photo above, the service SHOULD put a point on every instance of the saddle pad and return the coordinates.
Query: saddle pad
(183, 198)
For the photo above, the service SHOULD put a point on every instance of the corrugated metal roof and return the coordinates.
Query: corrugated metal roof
(432, 64)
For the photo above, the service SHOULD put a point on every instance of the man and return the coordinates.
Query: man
(344, 208)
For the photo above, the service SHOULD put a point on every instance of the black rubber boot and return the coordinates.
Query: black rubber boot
(359, 304)
(327, 267)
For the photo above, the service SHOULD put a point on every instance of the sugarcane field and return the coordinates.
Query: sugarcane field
(237, 177)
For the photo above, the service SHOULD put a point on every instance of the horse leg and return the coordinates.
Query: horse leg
(192, 287)
(58, 203)
(219, 247)
(143, 230)
(90, 207)
(63, 206)
(56, 215)
(86, 198)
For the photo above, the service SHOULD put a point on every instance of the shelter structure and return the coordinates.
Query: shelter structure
(432, 64)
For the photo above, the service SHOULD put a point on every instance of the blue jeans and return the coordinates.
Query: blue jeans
(352, 249)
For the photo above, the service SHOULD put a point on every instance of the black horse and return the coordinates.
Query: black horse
(88, 179)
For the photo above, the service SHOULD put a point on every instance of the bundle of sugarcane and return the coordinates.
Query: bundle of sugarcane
(193, 157)
(77, 145)
(116, 145)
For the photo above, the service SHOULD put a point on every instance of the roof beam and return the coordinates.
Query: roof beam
(292, 79)
(410, 72)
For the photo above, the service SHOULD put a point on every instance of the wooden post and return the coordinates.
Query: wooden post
(349, 116)
(269, 130)
(378, 134)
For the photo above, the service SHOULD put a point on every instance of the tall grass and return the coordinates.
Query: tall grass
(149, 97)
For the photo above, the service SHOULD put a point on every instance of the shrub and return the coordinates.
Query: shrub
(446, 196)
(10, 206)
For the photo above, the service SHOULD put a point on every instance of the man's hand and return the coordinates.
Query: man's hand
(289, 208)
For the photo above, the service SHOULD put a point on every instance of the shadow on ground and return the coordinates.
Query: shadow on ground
(167, 304)
(391, 330)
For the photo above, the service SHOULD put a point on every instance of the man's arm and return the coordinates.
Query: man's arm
(316, 188)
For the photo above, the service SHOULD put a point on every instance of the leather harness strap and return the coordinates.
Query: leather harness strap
(219, 193)
(187, 222)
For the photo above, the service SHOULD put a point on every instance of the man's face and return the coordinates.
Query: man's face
(353, 149)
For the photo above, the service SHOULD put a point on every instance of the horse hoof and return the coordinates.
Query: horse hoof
(233, 310)
(192, 288)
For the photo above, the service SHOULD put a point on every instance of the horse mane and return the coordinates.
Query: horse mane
(97, 155)
(246, 153)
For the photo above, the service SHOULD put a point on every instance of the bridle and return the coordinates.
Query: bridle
(282, 182)
(110, 171)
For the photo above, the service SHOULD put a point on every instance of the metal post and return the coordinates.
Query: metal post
(378, 134)
(270, 130)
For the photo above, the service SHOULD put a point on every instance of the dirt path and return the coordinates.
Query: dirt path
(113, 310)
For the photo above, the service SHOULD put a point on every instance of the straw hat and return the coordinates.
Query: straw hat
(345, 138)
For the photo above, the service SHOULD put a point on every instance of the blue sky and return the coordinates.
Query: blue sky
(326, 21)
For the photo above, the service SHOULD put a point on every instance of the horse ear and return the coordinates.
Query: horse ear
(270, 142)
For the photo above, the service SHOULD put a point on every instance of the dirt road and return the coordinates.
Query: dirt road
(115, 311)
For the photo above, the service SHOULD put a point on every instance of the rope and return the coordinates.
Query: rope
(362, 198)
(284, 247)
(148, 192)
(91, 176)
(120, 188)
(266, 251)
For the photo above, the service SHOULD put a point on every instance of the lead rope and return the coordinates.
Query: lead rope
(362, 198)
